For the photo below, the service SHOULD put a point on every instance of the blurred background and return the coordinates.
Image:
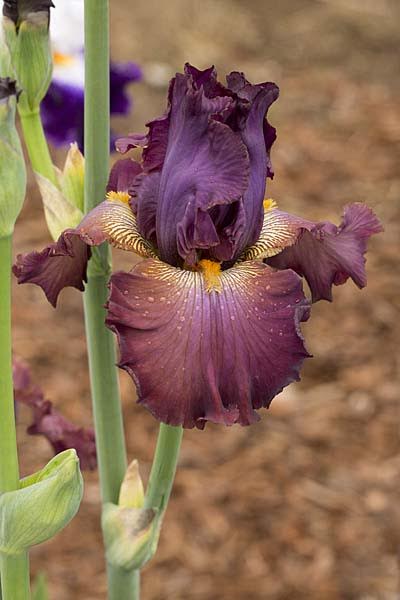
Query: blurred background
(304, 504)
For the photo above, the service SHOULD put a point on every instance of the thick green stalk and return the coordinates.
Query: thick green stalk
(14, 570)
(163, 469)
(36, 144)
(110, 439)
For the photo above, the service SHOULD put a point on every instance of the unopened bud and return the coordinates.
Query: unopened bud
(26, 32)
(130, 531)
(12, 165)
(43, 505)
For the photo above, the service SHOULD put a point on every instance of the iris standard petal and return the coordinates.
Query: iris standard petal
(208, 347)
(206, 165)
(258, 135)
(64, 263)
(328, 255)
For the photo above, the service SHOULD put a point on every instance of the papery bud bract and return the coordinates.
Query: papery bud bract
(26, 32)
(130, 531)
(128, 535)
(45, 502)
(12, 165)
(72, 177)
(63, 205)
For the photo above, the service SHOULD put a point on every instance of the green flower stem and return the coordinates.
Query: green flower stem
(110, 439)
(163, 469)
(14, 570)
(36, 144)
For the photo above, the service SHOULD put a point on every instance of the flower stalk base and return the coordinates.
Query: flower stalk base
(14, 570)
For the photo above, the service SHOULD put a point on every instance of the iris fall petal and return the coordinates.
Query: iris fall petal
(64, 263)
(328, 255)
(199, 354)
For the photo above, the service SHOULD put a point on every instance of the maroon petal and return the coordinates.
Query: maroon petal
(327, 255)
(47, 421)
(204, 347)
(64, 263)
(57, 266)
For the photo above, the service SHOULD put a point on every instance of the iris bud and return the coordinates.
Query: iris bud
(12, 165)
(63, 205)
(130, 531)
(43, 505)
(26, 32)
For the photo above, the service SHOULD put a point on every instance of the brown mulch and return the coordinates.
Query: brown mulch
(303, 505)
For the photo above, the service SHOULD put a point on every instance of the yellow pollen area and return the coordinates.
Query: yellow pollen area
(211, 272)
(62, 59)
(269, 204)
(121, 196)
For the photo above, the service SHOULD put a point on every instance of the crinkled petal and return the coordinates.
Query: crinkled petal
(64, 263)
(206, 165)
(258, 136)
(57, 266)
(327, 255)
(199, 355)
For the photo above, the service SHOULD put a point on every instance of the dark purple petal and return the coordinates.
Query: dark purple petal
(206, 165)
(258, 136)
(216, 355)
(122, 175)
(47, 421)
(64, 263)
(57, 266)
(122, 74)
(147, 187)
(327, 255)
(154, 143)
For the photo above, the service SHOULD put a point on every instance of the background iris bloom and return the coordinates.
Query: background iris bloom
(63, 106)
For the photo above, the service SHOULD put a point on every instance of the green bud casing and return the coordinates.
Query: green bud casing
(12, 164)
(43, 505)
(128, 535)
(130, 531)
(26, 32)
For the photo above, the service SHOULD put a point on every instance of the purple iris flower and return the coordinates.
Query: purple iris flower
(209, 323)
(63, 106)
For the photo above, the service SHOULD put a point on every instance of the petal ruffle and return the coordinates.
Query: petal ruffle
(199, 355)
(258, 135)
(57, 266)
(328, 255)
(206, 165)
(64, 263)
